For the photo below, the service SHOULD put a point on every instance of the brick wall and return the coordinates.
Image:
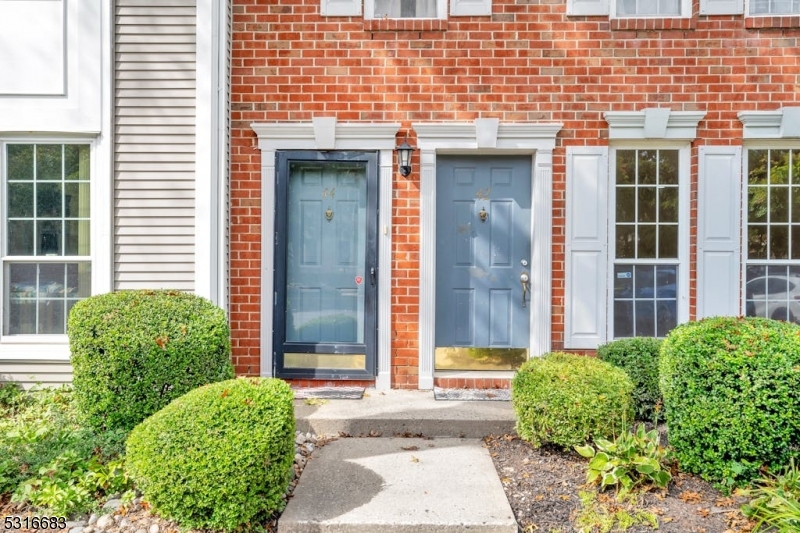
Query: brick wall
(527, 62)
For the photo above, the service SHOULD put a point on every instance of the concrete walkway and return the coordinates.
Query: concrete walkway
(443, 482)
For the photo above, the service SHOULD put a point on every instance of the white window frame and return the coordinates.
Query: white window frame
(441, 11)
(749, 13)
(55, 347)
(684, 170)
(685, 12)
(761, 144)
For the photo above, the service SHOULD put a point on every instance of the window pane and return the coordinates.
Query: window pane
(76, 162)
(757, 167)
(48, 162)
(643, 281)
(626, 239)
(668, 166)
(647, 204)
(669, 7)
(645, 318)
(668, 204)
(779, 242)
(795, 170)
(51, 317)
(646, 244)
(48, 200)
(405, 8)
(49, 237)
(20, 237)
(666, 282)
(647, 167)
(757, 204)
(77, 237)
(20, 161)
(623, 319)
(795, 241)
(623, 281)
(668, 242)
(626, 204)
(667, 317)
(79, 280)
(779, 167)
(20, 200)
(76, 200)
(779, 204)
(21, 317)
(626, 167)
(757, 242)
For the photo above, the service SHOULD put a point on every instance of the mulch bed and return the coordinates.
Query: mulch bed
(543, 485)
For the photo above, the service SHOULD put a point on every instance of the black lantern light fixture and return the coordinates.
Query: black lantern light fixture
(404, 157)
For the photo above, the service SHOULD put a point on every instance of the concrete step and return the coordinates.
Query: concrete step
(399, 485)
(404, 413)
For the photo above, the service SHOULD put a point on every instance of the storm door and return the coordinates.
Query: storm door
(326, 265)
(483, 256)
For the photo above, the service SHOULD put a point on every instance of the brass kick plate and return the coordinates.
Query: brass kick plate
(325, 360)
(468, 358)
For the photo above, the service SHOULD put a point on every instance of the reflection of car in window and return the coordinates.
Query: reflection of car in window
(776, 297)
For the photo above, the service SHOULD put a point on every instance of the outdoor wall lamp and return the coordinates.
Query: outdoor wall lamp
(404, 157)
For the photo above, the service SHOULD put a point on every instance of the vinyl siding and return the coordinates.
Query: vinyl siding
(30, 373)
(154, 137)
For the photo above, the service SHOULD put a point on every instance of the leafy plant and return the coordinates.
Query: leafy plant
(634, 458)
(135, 351)
(776, 501)
(602, 514)
(11, 395)
(731, 399)
(219, 456)
(568, 399)
(638, 356)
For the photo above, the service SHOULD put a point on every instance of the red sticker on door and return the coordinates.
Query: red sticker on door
(359, 279)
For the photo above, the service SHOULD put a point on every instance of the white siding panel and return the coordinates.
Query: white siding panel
(39, 373)
(154, 134)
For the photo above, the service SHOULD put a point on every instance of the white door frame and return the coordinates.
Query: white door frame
(487, 137)
(324, 133)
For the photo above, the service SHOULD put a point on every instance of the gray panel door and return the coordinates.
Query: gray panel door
(483, 247)
(326, 264)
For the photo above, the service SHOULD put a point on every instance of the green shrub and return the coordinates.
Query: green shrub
(638, 357)
(218, 457)
(135, 351)
(731, 391)
(568, 399)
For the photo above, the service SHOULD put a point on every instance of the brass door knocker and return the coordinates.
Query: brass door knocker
(329, 214)
(483, 214)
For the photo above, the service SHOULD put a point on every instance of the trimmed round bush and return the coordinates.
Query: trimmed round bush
(731, 391)
(133, 352)
(218, 457)
(568, 399)
(638, 356)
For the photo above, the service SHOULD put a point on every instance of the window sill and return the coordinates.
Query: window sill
(772, 21)
(34, 348)
(654, 23)
(397, 25)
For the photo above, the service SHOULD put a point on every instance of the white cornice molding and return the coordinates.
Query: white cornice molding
(464, 135)
(637, 125)
(347, 135)
(783, 123)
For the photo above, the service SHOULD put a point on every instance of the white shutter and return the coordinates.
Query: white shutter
(587, 247)
(721, 7)
(467, 8)
(588, 7)
(340, 8)
(718, 231)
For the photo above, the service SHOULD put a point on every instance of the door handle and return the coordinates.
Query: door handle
(523, 278)
(372, 275)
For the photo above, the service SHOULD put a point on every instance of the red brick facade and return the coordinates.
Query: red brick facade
(528, 62)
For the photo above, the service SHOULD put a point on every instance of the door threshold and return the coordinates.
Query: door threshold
(473, 374)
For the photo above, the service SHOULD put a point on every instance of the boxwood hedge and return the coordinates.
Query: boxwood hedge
(731, 391)
(638, 356)
(135, 351)
(218, 457)
(568, 399)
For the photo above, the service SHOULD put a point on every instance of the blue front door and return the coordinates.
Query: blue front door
(326, 264)
(483, 253)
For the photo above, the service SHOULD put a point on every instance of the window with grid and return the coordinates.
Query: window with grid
(405, 8)
(772, 270)
(648, 8)
(775, 7)
(645, 227)
(46, 224)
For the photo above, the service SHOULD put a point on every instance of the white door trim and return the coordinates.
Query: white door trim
(326, 134)
(536, 139)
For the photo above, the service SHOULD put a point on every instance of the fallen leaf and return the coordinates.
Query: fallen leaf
(690, 496)
(414, 459)
(409, 448)
(703, 512)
